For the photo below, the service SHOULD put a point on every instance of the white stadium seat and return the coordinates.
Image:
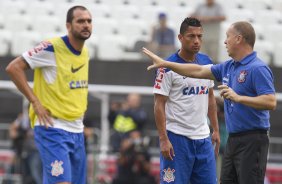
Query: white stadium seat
(61, 8)
(222, 53)
(122, 12)
(260, 30)
(112, 2)
(9, 7)
(104, 26)
(273, 33)
(18, 23)
(46, 24)
(111, 47)
(268, 17)
(276, 5)
(99, 11)
(2, 22)
(177, 15)
(150, 13)
(24, 41)
(223, 28)
(5, 40)
(40, 8)
(92, 44)
(264, 50)
(141, 4)
(278, 55)
(256, 5)
(132, 30)
(234, 15)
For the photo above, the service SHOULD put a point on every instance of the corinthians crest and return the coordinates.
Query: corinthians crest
(168, 175)
(57, 168)
(242, 76)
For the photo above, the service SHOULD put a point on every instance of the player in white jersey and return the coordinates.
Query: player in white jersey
(182, 108)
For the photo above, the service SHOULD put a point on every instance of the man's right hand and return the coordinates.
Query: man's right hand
(157, 61)
(167, 149)
(43, 115)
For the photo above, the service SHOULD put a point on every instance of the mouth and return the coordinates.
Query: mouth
(85, 31)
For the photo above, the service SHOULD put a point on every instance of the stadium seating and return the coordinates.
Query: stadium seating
(237, 14)
(111, 47)
(17, 23)
(278, 55)
(100, 11)
(47, 24)
(133, 30)
(264, 50)
(5, 40)
(132, 19)
(273, 33)
(150, 14)
(104, 26)
(9, 7)
(276, 5)
(268, 17)
(125, 12)
(24, 41)
(40, 8)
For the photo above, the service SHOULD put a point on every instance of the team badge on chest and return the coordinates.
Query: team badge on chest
(168, 175)
(242, 76)
(57, 168)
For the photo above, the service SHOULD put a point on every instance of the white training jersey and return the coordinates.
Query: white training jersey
(43, 57)
(187, 105)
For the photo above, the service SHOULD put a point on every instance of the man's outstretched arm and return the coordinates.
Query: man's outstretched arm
(189, 70)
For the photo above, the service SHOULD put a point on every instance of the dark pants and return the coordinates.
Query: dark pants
(245, 158)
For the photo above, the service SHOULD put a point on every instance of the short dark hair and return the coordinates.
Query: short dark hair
(71, 10)
(247, 31)
(189, 21)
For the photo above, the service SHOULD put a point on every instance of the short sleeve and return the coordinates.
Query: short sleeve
(40, 56)
(163, 82)
(217, 71)
(263, 81)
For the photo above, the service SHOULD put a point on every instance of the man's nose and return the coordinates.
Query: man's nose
(197, 39)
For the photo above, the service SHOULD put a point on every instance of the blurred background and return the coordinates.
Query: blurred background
(117, 70)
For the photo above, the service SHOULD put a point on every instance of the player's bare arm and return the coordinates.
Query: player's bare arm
(262, 102)
(212, 114)
(189, 70)
(16, 70)
(159, 111)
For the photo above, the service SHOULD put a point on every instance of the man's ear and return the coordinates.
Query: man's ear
(239, 39)
(68, 26)
(180, 37)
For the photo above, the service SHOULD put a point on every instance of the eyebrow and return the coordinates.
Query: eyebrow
(85, 19)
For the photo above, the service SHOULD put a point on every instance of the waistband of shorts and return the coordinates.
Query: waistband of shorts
(258, 131)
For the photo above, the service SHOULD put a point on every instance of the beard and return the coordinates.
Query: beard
(81, 35)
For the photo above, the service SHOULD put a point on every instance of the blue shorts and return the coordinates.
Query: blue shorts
(63, 155)
(194, 162)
